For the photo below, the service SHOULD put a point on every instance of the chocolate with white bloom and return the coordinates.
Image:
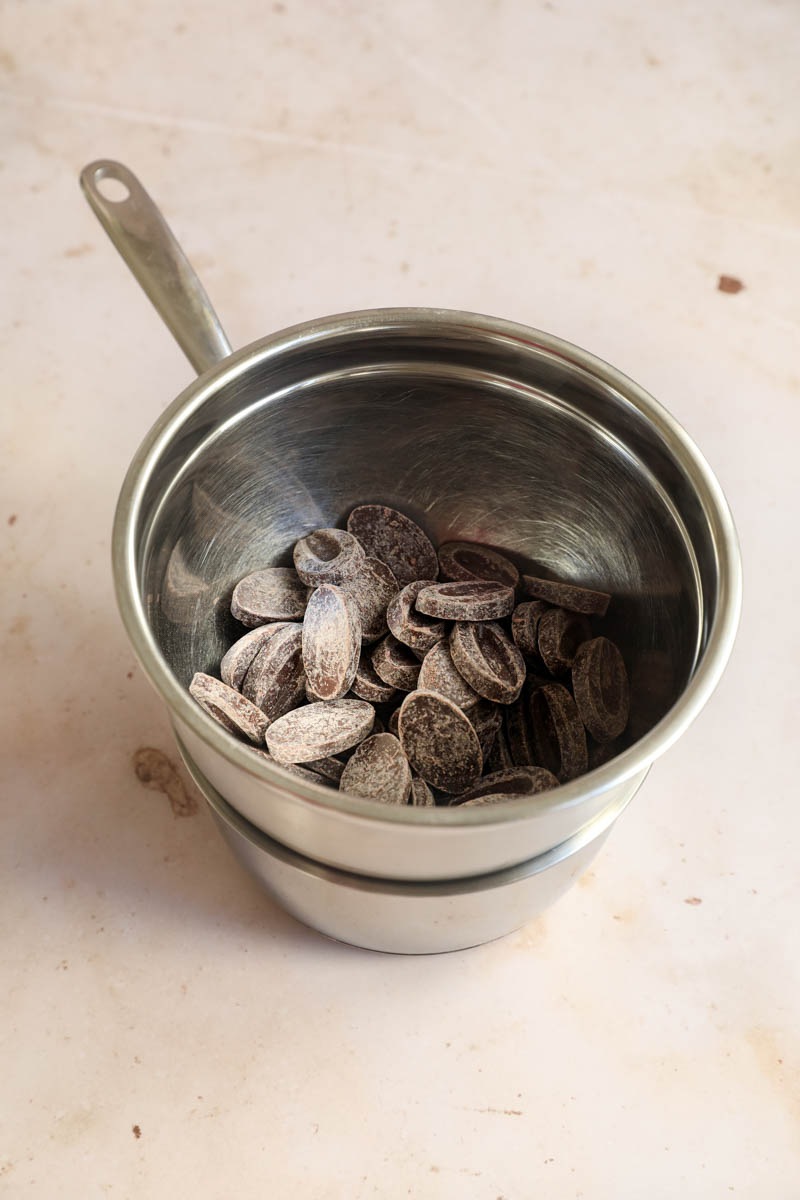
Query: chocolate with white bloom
(480, 697)
(519, 733)
(566, 595)
(518, 781)
(329, 768)
(396, 540)
(485, 656)
(378, 770)
(328, 556)
(503, 797)
(236, 662)
(468, 561)
(275, 681)
(319, 730)
(372, 589)
(395, 664)
(439, 741)
(228, 707)
(331, 641)
(487, 719)
(438, 674)
(525, 626)
(410, 627)
(272, 594)
(560, 633)
(368, 685)
(600, 685)
(499, 758)
(292, 769)
(466, 601)
(421, 795)
(558, 732)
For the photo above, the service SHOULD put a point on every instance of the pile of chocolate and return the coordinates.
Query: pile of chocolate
(388, 670)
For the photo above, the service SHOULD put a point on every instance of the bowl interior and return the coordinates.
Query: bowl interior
(479, 436)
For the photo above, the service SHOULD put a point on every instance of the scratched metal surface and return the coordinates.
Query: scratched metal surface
(510, 466)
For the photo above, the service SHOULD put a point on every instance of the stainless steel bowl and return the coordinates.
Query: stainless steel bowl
(479, 428)
(406, 917)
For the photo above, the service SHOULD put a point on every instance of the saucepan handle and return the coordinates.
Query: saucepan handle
(143, 238)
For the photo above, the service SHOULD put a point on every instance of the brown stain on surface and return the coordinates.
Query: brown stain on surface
(693, 900)
(79, 251)
(12, 520)
(137, 1133)
(21, 624)
(729, 284)
(155, 771)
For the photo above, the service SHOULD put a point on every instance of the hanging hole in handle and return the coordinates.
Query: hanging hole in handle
(112, 189)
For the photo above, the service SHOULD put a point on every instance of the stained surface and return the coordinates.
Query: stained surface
(592, 169)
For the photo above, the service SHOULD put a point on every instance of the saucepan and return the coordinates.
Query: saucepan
(480, 429)
(400, 916)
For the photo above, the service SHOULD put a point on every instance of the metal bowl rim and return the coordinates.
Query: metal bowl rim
(416, 888)
(635, 759)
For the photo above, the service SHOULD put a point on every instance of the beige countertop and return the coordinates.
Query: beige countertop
(591, 169)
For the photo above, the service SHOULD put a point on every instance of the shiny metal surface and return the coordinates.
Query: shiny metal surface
(481, 430)
(406, 917)
(356, 841)
(143, 238)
